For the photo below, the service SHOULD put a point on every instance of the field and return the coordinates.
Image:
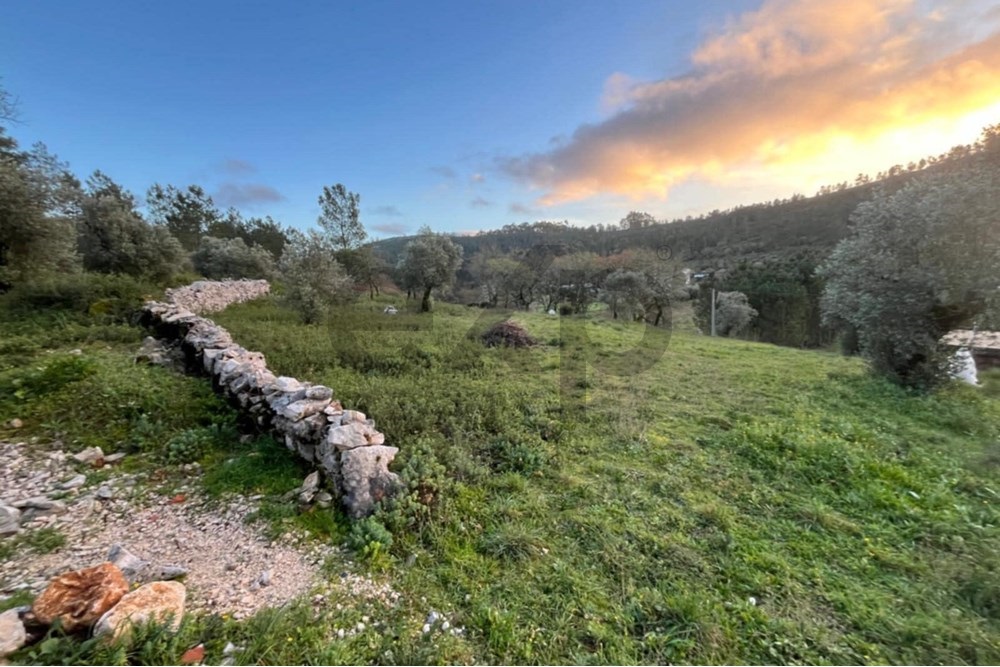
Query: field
(604, 497)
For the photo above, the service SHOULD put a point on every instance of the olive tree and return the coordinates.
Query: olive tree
(625, 292)
(733, 313)
(313, 279)
(38, 199)
(918, 263)
(429, 262)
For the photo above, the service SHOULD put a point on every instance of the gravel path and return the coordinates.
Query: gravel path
(232, 567)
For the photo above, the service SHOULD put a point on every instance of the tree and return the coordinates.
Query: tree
(340, 217)
(733, 313)
(637, 220)
(113, 238)
(314, 280)
(919, 262)
(575, 278)
(262, 232)
(37, 194)
(429, 262)
(625, 292)
(231, 258)
(187, 214)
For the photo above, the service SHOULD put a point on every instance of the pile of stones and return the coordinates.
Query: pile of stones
(342, 444)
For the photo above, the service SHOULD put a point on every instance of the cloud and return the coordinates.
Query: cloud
(245, 194)
(446, 172)
(388, 211)
(479, 202)
(236, 167)
(519, 209)
(777, 87)
(478, 178)
(393, 228)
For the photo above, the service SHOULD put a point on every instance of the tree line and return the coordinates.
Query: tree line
(54, 224)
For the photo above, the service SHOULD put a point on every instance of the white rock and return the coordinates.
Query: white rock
(12, 633)
(10, 520)
(89, 455)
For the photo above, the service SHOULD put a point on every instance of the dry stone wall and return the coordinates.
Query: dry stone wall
(342, 444)
(207, 296)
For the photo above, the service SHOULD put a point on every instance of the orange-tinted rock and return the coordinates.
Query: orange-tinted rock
(80, 597)
(157, 601)
(193, 655)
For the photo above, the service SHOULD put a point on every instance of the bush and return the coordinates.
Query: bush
(919, 263)
(424, 480)
(192, 444)
(54, 375)
(370, 538)
(114, 298)
(113, 238)
(314, 281)
(219, 259)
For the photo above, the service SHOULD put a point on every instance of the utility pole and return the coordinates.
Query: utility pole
(713, 311)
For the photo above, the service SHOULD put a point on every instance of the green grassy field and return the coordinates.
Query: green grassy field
(604, 497)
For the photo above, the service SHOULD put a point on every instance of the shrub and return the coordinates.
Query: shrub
(370, 538)
(218, 259)
(54, 375)
(113, 238)
(314, 281)
(919, 263)
(424, 480)
(114, 298)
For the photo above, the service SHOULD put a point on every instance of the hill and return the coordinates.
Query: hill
(795, 227)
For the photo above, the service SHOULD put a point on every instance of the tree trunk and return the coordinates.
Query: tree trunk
(425, 305)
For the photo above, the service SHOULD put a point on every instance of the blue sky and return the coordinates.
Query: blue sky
(471, 115)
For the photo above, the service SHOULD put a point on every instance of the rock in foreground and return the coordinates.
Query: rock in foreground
(159, 601)
(80, 597)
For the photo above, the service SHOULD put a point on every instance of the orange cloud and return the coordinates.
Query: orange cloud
(783, 86)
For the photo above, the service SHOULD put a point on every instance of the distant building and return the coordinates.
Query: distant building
(984, 346)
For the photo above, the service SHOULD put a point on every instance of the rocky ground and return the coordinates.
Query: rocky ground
(231, 566)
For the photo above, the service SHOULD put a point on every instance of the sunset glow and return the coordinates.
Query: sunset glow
(799, 93)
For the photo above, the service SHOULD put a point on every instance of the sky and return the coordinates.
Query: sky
(471, 115)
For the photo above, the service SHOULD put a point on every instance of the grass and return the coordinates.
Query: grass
(607, 497)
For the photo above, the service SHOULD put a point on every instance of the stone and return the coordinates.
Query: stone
(130, 565)
(323, 500)
(366, 478)
(193, 655)
(40, 506)
(264, 579)
(309, 487)
(12, 633)
(352, 416)
(10, 520)
(159, 601)
(105, 493)
(114, 458)
(74, 483)
(80, 597)
(319, 393)
(287, 385)
(348, 436)
(302, 409)
(89, 455)
(15, 423)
